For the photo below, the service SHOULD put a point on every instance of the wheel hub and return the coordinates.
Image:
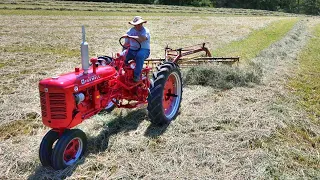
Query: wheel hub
(171, 95)
(72, 151)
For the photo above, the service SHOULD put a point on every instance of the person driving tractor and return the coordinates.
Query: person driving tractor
(141, 34)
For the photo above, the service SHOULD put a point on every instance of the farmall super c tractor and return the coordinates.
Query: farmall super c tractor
(69, 99)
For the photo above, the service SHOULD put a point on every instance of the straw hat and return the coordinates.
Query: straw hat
(137, 20)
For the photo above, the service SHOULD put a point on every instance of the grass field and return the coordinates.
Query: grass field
(306, 84)
(266, 130)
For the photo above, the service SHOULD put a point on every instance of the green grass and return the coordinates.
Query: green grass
(257, 41)
(20, 127)
(307, 82)
(298, 143)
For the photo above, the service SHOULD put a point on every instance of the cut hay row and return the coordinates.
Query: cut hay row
(251, 46)
(306, 84)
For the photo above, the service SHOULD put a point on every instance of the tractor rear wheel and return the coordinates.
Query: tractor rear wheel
(165, 94)
(69, 149)
(46, 146)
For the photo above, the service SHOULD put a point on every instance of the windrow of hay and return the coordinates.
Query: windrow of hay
(279, 55)
(223, 76)
(226, 77)
(295, 147)
(258, 40)
(307, 82)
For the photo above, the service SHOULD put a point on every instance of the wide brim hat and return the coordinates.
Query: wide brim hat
(137, 20)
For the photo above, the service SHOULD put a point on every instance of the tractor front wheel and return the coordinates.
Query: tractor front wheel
(46, 146)
(165, 94)
(69, 149)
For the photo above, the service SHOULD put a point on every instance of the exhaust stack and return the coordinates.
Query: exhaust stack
(84, 52)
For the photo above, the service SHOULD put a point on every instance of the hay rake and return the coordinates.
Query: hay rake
(181, 56)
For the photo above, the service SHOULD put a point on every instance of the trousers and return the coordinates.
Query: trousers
(139, 56)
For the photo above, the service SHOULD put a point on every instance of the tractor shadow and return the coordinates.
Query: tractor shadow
(124, 124)
(154, 131)
(100, 143)
(127, 123)
(49, 173)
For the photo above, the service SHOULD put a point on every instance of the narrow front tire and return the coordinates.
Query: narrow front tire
(69, 149)
(46, 147)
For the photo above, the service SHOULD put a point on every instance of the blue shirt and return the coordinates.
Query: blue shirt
(144, 32)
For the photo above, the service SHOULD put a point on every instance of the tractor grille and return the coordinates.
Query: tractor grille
(58, 107)
(43, 104)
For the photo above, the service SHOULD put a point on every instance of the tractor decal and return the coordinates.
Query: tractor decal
(90, 79)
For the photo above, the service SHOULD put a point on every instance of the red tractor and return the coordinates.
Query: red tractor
(69, 99)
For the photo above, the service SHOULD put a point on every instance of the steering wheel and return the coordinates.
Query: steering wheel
(122, 42)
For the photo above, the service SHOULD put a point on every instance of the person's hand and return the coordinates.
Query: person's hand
(125, 36)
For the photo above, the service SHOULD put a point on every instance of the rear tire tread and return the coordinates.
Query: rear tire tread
(155, 108)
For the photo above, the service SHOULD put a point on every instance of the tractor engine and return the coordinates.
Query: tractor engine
(68, 99)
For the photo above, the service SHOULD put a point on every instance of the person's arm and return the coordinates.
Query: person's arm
(126, 40)
(138, 38)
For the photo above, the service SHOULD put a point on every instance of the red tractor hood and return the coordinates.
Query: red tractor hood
(78, 78)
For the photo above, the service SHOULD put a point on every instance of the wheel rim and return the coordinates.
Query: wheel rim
(171, 95)
(73, 151)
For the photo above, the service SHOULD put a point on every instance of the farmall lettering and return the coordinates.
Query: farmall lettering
(89, 79)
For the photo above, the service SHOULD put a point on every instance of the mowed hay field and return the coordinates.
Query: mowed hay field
(264, 130)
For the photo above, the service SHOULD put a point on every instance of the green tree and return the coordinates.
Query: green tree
(311, 7)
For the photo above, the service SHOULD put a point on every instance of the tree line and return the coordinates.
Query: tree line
(310, 7)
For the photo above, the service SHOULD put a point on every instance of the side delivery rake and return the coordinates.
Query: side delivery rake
(180, 57)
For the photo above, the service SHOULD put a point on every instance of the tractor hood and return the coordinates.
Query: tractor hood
(78, 78)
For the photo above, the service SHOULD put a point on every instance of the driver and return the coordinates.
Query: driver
(142, 35)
